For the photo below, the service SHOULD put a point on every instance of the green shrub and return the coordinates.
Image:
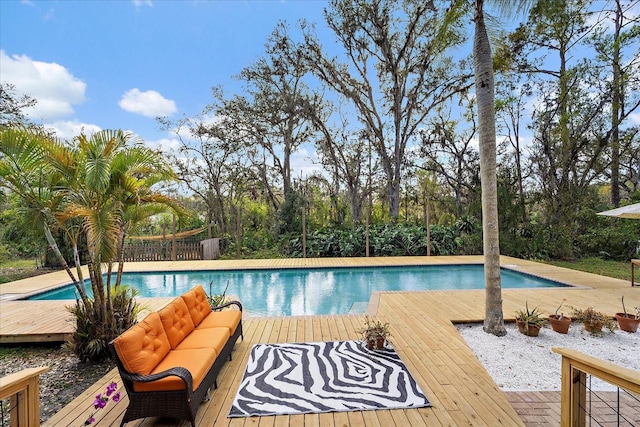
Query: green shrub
(385, 240)
(93, 333)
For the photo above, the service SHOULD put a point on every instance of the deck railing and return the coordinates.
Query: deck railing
(577, 399)
(23, 392)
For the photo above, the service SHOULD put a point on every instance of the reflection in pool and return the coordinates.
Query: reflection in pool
(291, 292)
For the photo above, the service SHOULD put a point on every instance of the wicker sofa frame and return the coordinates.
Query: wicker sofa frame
(178, 404)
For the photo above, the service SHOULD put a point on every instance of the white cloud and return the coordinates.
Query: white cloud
(149, 104)
(66, 130)
(305, 163)
(167, 145)
(55, 88)
(635, 118)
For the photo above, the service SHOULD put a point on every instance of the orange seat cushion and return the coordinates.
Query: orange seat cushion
(197, 303)
(176, 321)
(197, 361)
(227, 318)
(211, 338)
(142, 347)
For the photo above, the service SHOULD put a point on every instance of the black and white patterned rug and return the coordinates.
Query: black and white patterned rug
(318, 377)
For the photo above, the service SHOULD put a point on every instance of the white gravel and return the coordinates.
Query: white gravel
(520, 363)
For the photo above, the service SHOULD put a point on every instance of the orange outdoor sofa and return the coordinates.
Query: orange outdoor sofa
(169, 360)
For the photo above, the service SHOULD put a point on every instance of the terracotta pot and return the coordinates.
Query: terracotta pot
(560, 325)
(532, 331)
(627, 323)
(375, 344)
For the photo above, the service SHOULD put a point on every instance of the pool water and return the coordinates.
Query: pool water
(292, 292)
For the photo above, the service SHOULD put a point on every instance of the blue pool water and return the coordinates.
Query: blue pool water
(291, 292)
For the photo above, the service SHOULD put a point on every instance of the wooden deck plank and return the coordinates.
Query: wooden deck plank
(460, 389)
(231, 374)
(335, 327)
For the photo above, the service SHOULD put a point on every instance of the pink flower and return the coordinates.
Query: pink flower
(111, 388)
(101, 401)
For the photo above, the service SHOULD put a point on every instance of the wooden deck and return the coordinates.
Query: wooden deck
(458, 386)
(461, 391)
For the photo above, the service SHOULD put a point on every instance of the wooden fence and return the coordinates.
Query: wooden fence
(162, 250)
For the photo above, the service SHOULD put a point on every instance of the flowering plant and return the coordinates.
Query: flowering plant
(102, 400)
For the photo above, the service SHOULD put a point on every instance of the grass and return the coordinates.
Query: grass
(617, 269)
(17, 263)
(16, 269)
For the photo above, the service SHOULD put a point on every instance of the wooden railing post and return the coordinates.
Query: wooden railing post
(566, 385)
(573, 396)
(23, 390)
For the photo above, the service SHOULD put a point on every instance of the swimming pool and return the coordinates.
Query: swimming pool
(292, 292)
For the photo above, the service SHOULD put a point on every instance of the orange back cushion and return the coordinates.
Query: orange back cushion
(176, 321)
(197, 303)
(141, 347)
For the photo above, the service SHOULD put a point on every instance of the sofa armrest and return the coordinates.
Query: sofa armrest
(220, 307)
(179, 372)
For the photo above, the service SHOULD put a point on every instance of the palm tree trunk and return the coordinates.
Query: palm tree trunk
(122, 237)
(108, 306)
(98, 290)
(616, 105)
(56, 250)
(484, 84)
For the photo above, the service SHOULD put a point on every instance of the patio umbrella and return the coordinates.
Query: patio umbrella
(631, 211)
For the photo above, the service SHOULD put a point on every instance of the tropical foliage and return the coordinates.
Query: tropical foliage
(393, 118)
(87, 194)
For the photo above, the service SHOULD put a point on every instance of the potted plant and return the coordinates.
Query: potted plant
(628, 322)
(374, 333)
(593, 320)
(559, 322)
(528, 321)
(216, 300)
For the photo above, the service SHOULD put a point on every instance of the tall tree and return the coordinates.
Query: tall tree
(342, 151)
(271, 118)
(396, 72)
(209, 160)
(510, 108)
(449, 152)
(630, 161)
(572, 118)
(485, 95)
(619, 48)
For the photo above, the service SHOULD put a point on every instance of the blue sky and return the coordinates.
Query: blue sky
(118, 64)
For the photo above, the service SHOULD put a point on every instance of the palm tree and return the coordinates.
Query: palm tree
(485, 95)
(26, 171)
(97, 188)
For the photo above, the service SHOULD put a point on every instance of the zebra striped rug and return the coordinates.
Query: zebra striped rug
(317, 377)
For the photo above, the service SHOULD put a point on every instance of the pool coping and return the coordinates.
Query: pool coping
(370, 309)
(151, 267)
(24, 288)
